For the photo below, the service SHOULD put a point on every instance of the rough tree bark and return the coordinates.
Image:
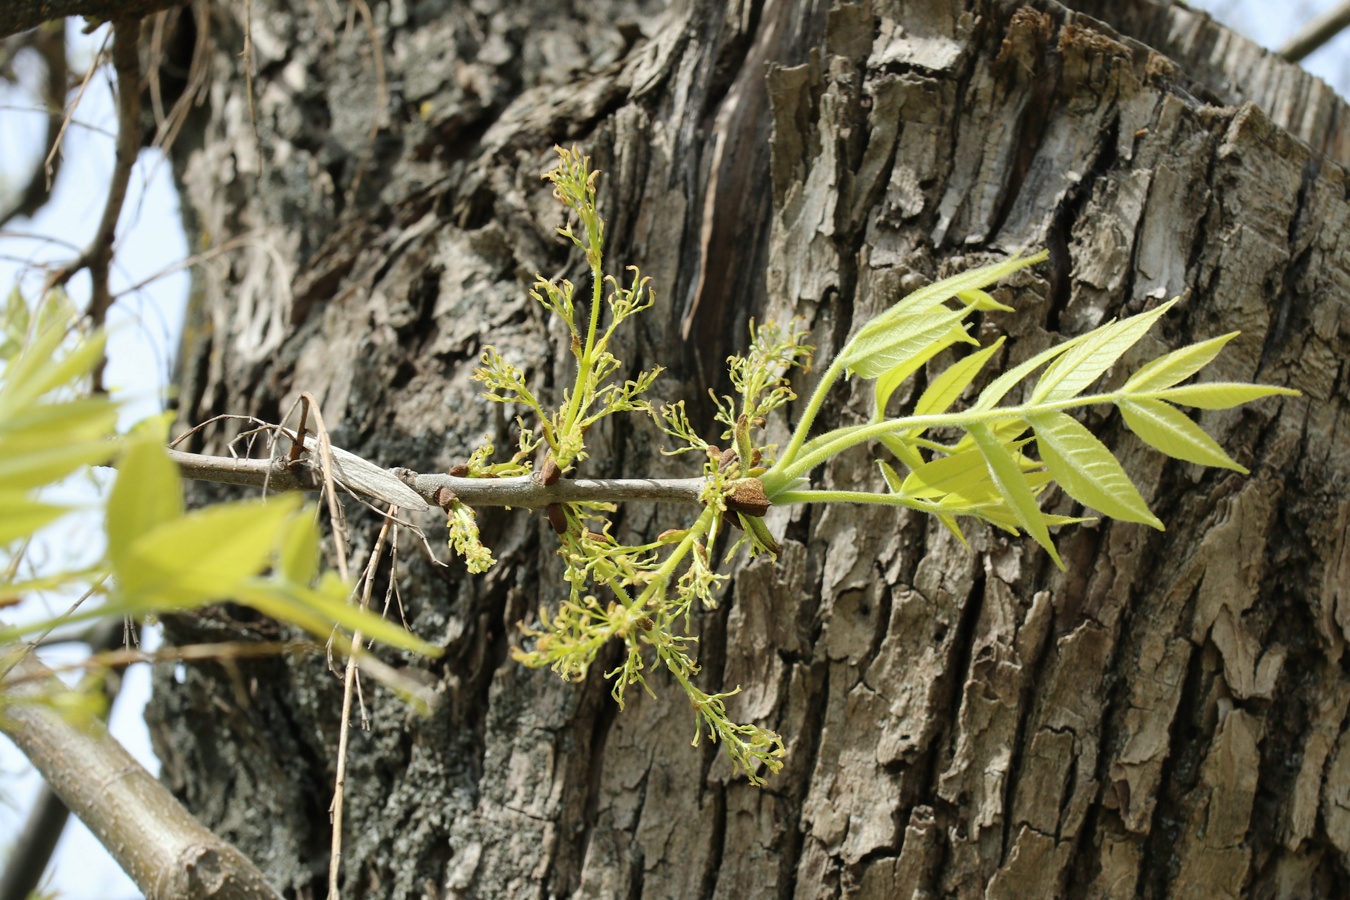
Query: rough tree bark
(1167, 719)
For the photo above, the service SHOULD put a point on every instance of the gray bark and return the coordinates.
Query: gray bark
(1166, 720)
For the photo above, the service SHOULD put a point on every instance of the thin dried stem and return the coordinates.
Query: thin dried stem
(348, 683)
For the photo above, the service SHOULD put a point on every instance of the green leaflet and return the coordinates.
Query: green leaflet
(47, 425)
(1094, 354)
(20, 516)
(947, 519)
(887, 383)
(982, 301)
(203, 556)
(1166, 428)
(1176, 366)
(903, 450)
(36, 372)
(941, 291)
(865, 355)
(1087, 470)
(298, 557)
(316, 609)
(873, 351)
(147, 494)
(1220, 394)
(34, 470)
(955, 474)
(1000, 386)
(948, 386)
(1013, 487)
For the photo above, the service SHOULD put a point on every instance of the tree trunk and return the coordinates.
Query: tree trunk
(1167, 719)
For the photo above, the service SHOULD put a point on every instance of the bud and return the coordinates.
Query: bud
(557, 518)
(747, 496)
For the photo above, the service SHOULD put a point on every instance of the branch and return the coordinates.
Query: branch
(1316, 33)
(97, 257)
(164, 850)
(21, 15)
(526, 491)
(33, 848)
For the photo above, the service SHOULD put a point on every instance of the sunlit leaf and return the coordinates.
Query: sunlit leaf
(1176, 366)
(1087, 470)
(148, 493)
(1000, 386)
(204, 555)
(54, 424)
(1220, 394)
(983, 301)
(888, 381)
(1166, 428)
(36, 372)
(1097, 352)
(32, 470)
(873, 351)
(955, 474)
(974, 279)
(1013, 486)
(21, 516)
(903, 450)
(893, 480)
(947, 387)
(298, 557)
(317, 610)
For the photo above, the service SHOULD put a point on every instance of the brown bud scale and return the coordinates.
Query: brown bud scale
(747, 496)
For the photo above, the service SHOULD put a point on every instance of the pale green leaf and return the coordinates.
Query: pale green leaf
(1012, 485)
(893, 480)
(36, 372)
(36, 469)
(983, 301)
(1220, 394)
(903, 450)
(1166, 428)
(875, 350)
(955, 474)
(298, 559)
(887, 382)
(55, 424)
(21, 516)
(317, 610)
(1087, 470)
(971, 280)
(25, 369)
(1097, 352)
(205, 555)
(1176, 366)
(1000, 386)
(148, 493)
(947, 387)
